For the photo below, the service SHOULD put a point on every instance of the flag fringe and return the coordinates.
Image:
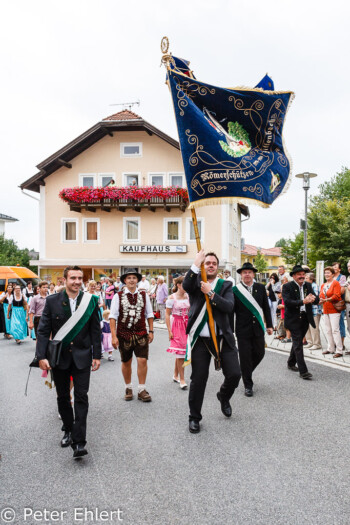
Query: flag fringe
(217, 201)
(290, 160)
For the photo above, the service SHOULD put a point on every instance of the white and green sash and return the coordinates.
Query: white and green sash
(78, 320)
(200, 322)
(249, 302)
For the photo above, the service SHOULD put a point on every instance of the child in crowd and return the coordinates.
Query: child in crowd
(281, 332)
(107, 336)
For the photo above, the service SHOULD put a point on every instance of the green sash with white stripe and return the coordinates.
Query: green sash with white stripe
(200, 322)
(77, 321)
(248, 300)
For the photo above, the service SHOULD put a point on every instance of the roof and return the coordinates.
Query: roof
(123, 121)
(7, 218)
(249, 249)
(126, 114)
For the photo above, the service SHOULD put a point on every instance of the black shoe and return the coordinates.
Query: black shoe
(248, 392)
(66, 440)
(194, 427)
(79, 451)
(225, 405)
(306, 375)
(293, 368)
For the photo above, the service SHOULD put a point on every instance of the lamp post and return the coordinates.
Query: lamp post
(306, 185)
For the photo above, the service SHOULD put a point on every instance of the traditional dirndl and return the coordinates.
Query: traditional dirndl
(18, 325)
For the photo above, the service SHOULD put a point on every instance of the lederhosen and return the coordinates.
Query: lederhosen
(133, 337)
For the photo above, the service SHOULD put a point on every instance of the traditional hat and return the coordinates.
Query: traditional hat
(297, 268)
(130, 271)
(247, 266)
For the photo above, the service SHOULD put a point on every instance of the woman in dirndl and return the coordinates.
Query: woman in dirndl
(18, 312)
(6, 299)
(176, 318)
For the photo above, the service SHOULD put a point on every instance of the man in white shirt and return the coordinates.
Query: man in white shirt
(143, 284)
(222, 301)
(130, 309)
(228, 277)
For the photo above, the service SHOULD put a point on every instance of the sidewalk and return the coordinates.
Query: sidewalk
(316, 355)
(341, 362)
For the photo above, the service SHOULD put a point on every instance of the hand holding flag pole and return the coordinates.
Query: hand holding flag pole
(207, 300)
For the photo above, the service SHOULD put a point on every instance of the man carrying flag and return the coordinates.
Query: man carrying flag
(251, 305)
(200, 345)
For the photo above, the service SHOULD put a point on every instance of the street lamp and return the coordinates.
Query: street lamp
(306, 185)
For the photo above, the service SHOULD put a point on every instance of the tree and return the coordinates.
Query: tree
(281, 242)
(292, 251)
(329, 221)
(260, 262)
(11, 255)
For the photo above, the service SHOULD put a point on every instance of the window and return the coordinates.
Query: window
(176, 179)
(190, 236)
(172, 231)
(132, 229)
(105, 178)
(131, 179)
(131, 149)
(91, 230)
(69, 230)
(87, 179)
(156, 179)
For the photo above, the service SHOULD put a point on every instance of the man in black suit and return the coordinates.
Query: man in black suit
(298, 297)
(251, 306)
(78, 357)
(222, 302)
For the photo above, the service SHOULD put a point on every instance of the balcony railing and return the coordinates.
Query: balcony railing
(135, 198)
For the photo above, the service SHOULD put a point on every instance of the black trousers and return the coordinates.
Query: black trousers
(36, 322)
(74, 423)
(297, 351)
(200, 361)
(251, 353)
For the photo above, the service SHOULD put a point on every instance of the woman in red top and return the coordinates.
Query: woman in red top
(331, 293)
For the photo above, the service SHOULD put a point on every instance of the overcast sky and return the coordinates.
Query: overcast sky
(63, 64)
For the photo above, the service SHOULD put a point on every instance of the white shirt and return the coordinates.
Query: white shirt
(73, 304)
(143, 285)
(205, 330)
(115, 307)
(302, 308)
(229, 278)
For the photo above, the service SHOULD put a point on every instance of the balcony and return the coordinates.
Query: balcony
(134, 198)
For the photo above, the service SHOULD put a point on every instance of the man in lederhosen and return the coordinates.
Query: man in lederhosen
(130, 309)
(251, 306)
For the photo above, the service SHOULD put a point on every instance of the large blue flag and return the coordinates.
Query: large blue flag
(231, 141)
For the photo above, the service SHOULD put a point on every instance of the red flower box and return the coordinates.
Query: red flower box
(84, 194)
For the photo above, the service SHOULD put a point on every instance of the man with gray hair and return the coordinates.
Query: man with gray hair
(162, 296)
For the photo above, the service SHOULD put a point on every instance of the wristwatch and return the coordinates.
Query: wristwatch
(210, 294)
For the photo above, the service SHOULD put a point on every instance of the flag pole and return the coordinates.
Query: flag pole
(207, 300)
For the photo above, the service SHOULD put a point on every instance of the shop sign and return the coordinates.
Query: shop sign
(152, 248)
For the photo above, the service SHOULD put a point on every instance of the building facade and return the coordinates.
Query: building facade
(272, 257)
(104, 236)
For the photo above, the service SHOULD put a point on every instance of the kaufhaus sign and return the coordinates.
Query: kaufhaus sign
(152, 248)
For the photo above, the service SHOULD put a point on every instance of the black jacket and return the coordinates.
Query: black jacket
(84, 347)
(293, 302)
(222, 304)
(247, 324)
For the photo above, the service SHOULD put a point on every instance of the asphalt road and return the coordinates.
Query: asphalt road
(282, 459)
